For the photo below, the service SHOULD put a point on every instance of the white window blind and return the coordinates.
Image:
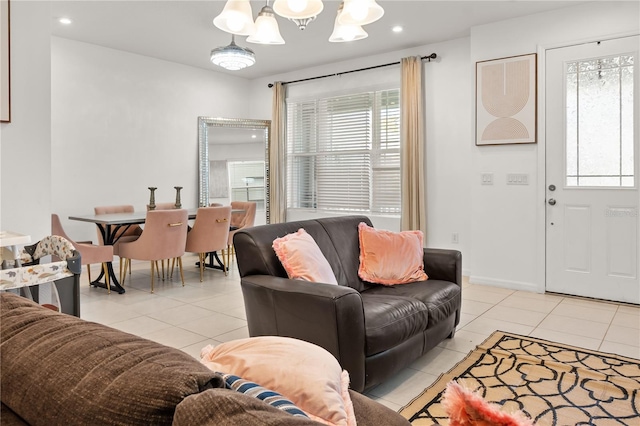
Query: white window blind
(343, 153)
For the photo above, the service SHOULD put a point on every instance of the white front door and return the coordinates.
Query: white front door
(592, 125)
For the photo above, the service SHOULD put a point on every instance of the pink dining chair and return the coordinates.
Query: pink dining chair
(164, 237)
(244, 219)
(124, 234)
(164, 206)
(89, 253)
(210, 233)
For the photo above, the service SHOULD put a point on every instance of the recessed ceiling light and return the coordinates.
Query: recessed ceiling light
(253, 136)
(65, 21)
(397, 29)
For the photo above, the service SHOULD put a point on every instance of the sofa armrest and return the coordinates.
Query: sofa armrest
(330, 316)
(443, 264)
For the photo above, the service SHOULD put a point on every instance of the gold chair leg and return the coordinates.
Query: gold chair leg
(201, 257)
(181, 274)
(173, 264)
(162, 261)
(120, 273)
(157, 268)
(106, 277)
(123, 271)
(89, 273)
(152, 273)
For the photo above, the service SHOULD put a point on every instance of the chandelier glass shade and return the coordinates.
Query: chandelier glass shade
(346, 32)
(236, 18)
(360, 12)
(298, 9)
(267, 30)
(233, 57)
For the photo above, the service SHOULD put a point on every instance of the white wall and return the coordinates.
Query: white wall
(26, 141)
(448, 132)
(123, 122)
(507, 222)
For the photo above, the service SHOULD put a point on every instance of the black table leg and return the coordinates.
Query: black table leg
(213, 255)
(113, 280)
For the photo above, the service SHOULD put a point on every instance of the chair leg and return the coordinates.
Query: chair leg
(201, 258)
(162, 261)
(106, 277)
(120, 273)
(89, 273)
(173, 264)
(157, 268)
(224, 264)
(152, 273)
(181, 274)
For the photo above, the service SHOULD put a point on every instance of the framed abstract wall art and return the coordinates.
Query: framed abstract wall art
(5, 67)
(506, 98)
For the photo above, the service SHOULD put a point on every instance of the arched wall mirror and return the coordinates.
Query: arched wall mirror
(234, 162)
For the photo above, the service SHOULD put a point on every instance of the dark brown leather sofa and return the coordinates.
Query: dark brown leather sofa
(372, 330)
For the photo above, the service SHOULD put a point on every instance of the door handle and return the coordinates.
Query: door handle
(552, 202)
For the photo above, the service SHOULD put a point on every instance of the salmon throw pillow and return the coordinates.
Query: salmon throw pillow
(302, 258)
(390, 258)
(302, 372)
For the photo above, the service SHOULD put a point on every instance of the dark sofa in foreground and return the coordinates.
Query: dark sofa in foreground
(57, 369)
(373, 330)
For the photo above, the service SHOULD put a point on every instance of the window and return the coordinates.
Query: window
(599, 123)
(343, 153)
(246, 179)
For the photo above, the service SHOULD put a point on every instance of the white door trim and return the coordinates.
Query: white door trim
(541, 210)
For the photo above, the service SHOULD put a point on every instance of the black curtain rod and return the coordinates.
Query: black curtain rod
(429, 57)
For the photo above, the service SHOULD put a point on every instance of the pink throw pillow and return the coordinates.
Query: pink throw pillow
(302, 258)
(466, 408)
(306, 374)
(390, 258)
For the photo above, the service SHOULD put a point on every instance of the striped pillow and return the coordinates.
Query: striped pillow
(270, 397)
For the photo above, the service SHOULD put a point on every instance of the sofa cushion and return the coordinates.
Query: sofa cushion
(59, 369)
(303, 372)
(442, 298)
(390, 320)
(390, 258)
(302, 258)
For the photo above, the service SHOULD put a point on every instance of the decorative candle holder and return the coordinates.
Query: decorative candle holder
(152, 198)
(178, 203)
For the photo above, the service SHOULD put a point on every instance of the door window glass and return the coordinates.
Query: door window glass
(599, 122)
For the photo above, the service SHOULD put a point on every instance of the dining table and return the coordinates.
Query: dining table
(112, 225)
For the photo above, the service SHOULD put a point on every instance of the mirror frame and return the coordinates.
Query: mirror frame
(206, 123)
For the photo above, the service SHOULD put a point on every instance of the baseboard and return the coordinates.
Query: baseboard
(513, 285)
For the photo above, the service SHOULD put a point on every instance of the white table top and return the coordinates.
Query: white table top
(9, 238)
(127, 218)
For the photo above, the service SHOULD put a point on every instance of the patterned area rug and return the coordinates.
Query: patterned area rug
(552, 383)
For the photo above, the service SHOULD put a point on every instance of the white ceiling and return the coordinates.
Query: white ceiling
(182, 31)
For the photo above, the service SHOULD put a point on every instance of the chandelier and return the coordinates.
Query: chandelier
(233, 57)
(237, 18)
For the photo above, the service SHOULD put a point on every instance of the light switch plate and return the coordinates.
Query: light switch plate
(517, 179)
(486, 178)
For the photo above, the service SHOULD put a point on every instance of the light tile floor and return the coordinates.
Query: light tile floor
(211, 312)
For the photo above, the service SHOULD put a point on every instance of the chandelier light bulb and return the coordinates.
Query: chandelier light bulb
(360, 12)
(298, 9)
(235, 22)
(297, 6)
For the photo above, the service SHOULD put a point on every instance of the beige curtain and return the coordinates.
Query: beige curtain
(413, 216)
(277, 150)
